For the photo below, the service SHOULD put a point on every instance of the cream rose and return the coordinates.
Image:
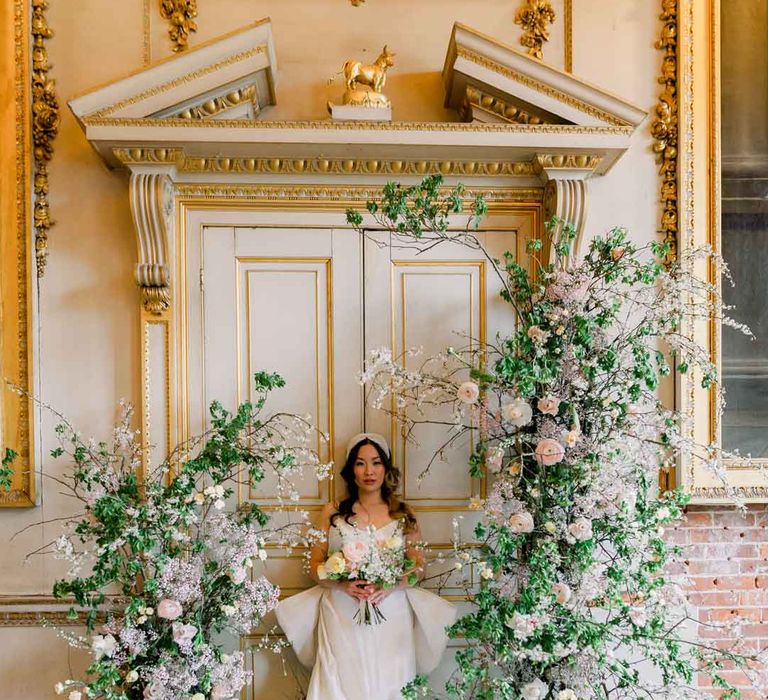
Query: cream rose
(535, 690)
(468, 392)
(517, 412)
(567, 694)
(581, 529)
(521, 522)
(549, 452)
(335, 563)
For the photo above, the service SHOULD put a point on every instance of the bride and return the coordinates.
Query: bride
(351, 661)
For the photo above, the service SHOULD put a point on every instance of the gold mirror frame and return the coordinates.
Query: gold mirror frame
(16, 268)
(698, 195)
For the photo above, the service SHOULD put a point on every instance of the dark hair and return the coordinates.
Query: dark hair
(398, 510)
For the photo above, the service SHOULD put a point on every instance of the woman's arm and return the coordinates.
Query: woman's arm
(319, 553)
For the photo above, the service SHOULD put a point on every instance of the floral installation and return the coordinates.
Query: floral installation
(162, 566)
(576, 599)
(374, 556)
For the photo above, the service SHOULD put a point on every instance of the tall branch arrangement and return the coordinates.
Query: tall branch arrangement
(160, 568)
(575, 600)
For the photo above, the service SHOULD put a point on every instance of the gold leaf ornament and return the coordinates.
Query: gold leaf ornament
(45, 127)
(180, 14)
(535, 17)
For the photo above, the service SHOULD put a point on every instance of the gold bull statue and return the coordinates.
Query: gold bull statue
(372, 74)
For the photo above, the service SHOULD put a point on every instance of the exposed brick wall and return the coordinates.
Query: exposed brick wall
(725, 555)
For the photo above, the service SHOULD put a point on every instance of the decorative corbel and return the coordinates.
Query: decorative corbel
(151, 195)
(565, 187)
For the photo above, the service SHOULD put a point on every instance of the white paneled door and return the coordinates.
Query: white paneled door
(310, 301)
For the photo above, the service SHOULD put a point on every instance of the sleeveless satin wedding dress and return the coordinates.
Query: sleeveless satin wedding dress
(357, 662)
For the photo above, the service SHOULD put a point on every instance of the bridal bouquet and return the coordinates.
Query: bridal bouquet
(374, 557)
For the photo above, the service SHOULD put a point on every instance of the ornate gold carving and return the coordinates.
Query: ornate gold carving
(664, 126)
(181, 17)
(539, 86)
(575, 161)
(45, 126)
(16, 425)
(475, 97)
(372, 75)
(339, 197)
(535, 17)
(329, 166)
(618, 129)
(216, 105)
(158, 89)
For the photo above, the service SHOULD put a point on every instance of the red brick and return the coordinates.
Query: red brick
(714, 566)
(757, 597)
(760, 630)
(726, 534)
(734, 518)
(736, 583)
(717, 598)
(750, 566)
(728, 614)
(700, 519)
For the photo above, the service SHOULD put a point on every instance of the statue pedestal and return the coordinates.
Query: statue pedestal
(359, 113)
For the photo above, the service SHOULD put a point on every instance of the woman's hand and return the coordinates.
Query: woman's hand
(359, 590)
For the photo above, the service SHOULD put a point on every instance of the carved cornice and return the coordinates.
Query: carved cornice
(151, 197)
(664, 126)
(323, 166)
(216, 105)
(499, 108)
(339, 196)
(607, 130)
(181, 18)
(534, 17)
(45, 127)
(534, 84)
(176, 82)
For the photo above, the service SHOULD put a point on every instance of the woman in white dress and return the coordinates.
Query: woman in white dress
(352, 661)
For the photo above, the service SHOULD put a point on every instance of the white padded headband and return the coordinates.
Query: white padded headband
(379, 440)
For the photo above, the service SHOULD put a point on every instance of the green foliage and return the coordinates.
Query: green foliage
(599, 334)
(6, 468)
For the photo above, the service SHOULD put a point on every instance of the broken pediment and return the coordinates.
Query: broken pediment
(231, 77)
(487, 81)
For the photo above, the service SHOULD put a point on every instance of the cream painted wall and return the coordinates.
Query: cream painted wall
(89, 340)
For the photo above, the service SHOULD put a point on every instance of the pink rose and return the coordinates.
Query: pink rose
(355, 550)
(219, 692)
(549, 452)
(468, 392)
(617, 253)
(183, 634)
(169, 609)
(549, 405)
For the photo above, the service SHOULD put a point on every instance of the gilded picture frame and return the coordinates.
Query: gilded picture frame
(699, 195)
(17, 257)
